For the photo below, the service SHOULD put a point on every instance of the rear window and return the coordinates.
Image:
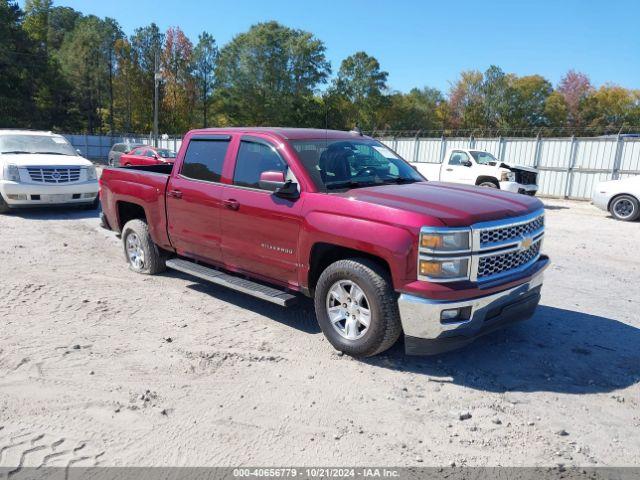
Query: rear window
(204, 159)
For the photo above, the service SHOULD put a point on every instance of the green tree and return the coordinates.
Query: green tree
(420, 109)
(205, 57)
(528, 102)
(179, 83)
(466, 101)
(146, 43)
(269, 75)
(362, 82)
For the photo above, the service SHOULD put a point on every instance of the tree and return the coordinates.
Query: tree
(146, 44)
(36, 22)
(528, 101)
(179, 96)
(269, 75)
(611, 106)
(205, 57)
(466, 101)
(361, 81)
(574, 87)
(420, 109)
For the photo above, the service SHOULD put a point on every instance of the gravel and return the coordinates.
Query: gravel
(239, 378)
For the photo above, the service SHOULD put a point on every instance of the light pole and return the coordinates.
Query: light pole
(157, 78)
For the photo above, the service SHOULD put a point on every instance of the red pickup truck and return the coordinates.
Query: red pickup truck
(341, 218)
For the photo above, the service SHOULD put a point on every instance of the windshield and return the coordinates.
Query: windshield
(164, 153)
(484, 158)
(344, 164)
(50, 144)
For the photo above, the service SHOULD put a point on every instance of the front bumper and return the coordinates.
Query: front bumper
(426, 334)
(17, 194)
(518, 187)
(600, 199)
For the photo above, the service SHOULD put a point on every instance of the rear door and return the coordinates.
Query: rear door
(194, 198)
(260, 230)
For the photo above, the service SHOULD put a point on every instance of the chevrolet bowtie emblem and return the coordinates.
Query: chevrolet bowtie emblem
(526, 243)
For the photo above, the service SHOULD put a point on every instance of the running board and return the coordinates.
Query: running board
(233, 282)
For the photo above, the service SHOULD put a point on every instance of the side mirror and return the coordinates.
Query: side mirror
(467, 163)
(271, 180)
(155, 156)
(78, 151)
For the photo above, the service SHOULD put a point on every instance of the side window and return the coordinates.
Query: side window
(149, 153)
(458, 158)
(137, 151)
(253, 159)
(204, 159)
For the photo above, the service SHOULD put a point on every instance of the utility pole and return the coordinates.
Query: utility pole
(156, 81)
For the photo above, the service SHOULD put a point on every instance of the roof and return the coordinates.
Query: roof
(286, 133)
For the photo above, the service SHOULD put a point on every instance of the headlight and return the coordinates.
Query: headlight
(91, 173)
(11, 172)
(508, 177)
(444, 268)
(445, 241)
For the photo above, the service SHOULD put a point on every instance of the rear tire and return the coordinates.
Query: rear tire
(374, 302)
(141, 253)
(4, 208)
(625, 208)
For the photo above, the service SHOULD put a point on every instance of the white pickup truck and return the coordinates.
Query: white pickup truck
(477, 167)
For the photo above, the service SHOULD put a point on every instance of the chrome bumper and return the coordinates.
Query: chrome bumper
(425, 332)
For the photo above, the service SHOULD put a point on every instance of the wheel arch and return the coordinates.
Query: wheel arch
(487, 178)
(620, 194)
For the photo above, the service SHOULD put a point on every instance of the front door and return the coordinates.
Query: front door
(456, 169)
(194, 199)
(260, 230)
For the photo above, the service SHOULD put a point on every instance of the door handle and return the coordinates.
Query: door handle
(231, 204)
(175, 193)
(449, 169)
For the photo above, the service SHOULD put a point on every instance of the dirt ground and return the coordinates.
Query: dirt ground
(99, 365)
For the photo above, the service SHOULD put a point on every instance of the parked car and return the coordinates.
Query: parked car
(119, 149)
(42, 168)
(477, 167)
(620, 197)
(147, 155)
(341, 218)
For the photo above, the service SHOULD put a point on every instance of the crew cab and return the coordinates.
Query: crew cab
(147, 155)
(42, 169)
(478, 167)
(278, 213)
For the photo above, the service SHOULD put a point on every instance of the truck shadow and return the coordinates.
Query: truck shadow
(558, 350)
(55, 213)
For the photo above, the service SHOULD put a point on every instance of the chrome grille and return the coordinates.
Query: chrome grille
(54, 174)
(502, 262)
(526, 178)
(511, 232)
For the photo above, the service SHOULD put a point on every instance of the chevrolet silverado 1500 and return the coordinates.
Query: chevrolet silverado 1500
(339, 217)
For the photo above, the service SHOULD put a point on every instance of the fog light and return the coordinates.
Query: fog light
(454, 315)
(17, 197)
(89, 195)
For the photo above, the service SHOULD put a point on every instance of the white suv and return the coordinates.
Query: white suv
(42, 168)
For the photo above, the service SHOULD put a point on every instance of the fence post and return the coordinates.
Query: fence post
(416, 147)
(100, 148)
(175, 144)
(617, 160)
(536, 152)
(572, 160)
(443, 148)
(86, 145)
(472, 141)
(501, 148)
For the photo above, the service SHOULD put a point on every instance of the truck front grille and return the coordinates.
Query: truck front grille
(526, 178)
(54, 174)
(503, 262)
(502, 234)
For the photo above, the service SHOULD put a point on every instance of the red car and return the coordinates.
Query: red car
(147, 155)
(341, 218)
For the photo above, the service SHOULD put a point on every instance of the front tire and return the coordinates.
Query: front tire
(625, 208)
(488, 184)
(4, 208)
(357, 307)
(141, 253)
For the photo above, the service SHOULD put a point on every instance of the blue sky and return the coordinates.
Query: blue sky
(425, 43)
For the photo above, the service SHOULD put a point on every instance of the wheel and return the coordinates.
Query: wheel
(143, 255)
(488, 184)
(111, 162)
(357, 307)
(4, 208)
(625, 207)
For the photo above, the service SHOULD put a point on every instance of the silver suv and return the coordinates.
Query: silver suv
(117, 150)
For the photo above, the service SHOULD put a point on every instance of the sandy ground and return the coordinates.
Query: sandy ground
(99, 365)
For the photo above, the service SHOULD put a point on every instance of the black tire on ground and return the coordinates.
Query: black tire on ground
(625, 207)
(488, 184)
(4, 208)
(152, 260)
(384, 324)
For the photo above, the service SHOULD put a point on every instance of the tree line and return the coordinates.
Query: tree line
(66, 71)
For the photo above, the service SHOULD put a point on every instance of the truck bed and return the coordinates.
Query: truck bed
(125, 188)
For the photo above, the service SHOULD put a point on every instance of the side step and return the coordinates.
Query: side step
(233, 282)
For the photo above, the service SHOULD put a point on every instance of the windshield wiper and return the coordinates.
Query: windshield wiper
(401, 180)
(54, 153)
(349, 184)
(16, 151)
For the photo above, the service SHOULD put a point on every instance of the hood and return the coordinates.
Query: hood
(455, 205)
(44, 160)
(520, 167)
